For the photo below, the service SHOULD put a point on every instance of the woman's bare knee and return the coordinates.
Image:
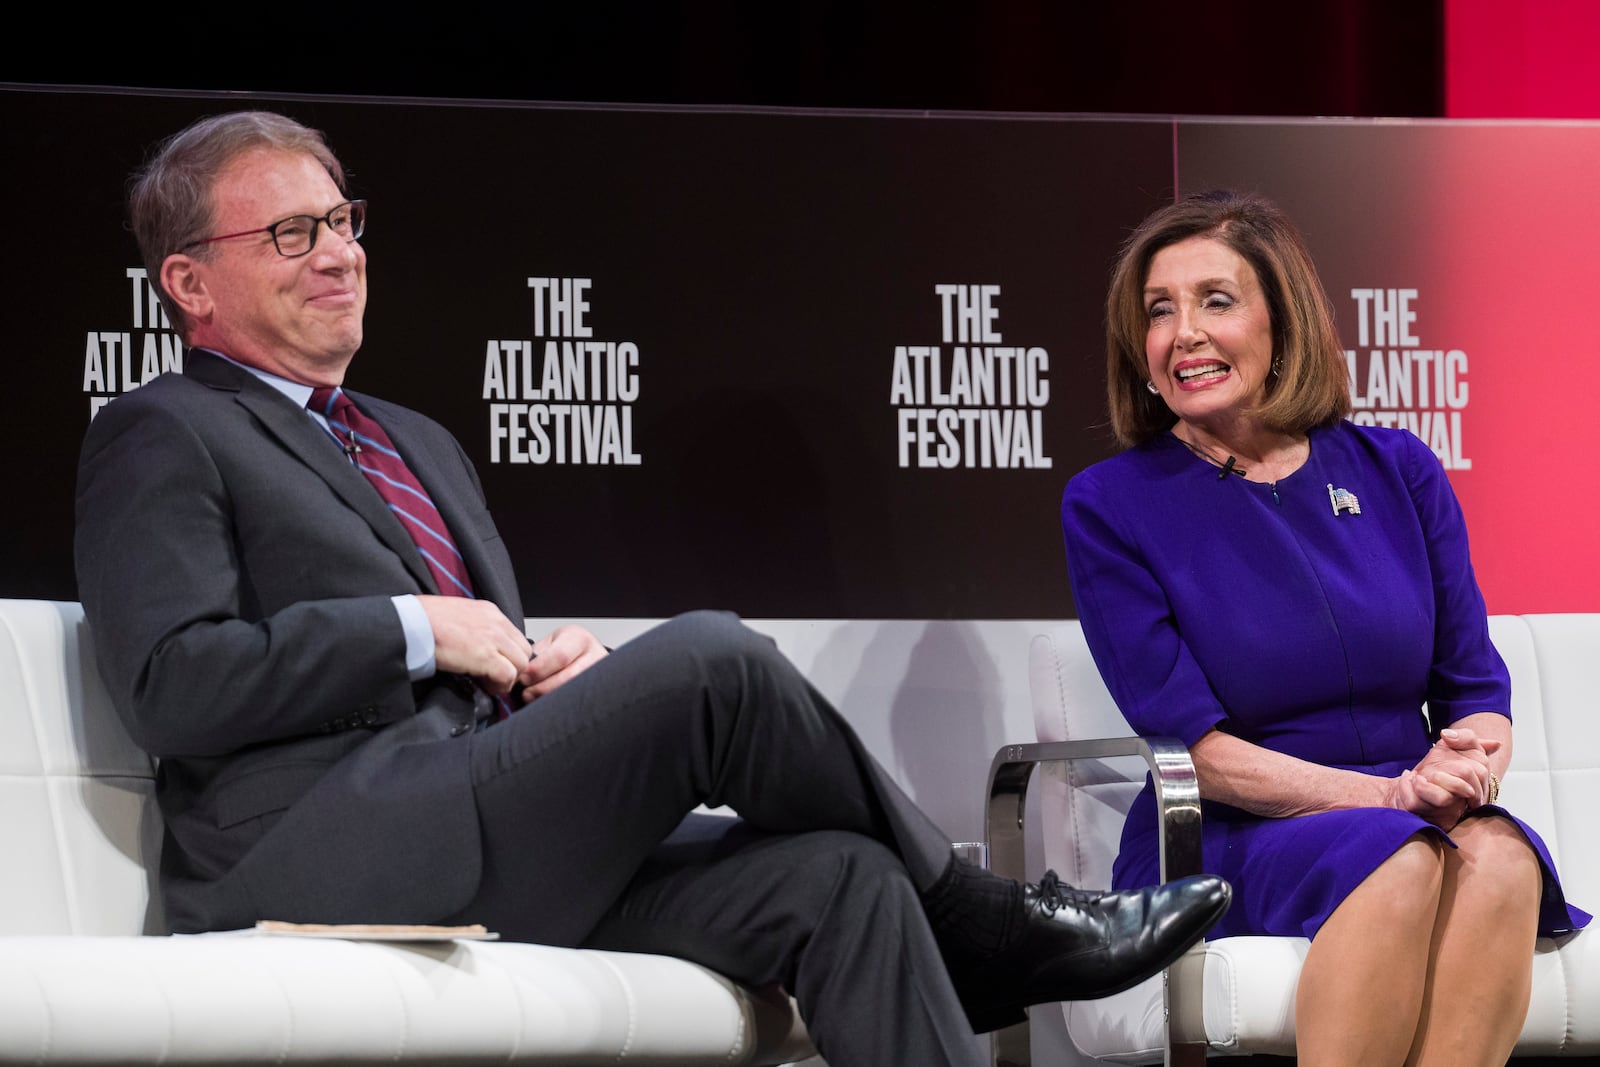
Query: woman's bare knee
(1493, 862)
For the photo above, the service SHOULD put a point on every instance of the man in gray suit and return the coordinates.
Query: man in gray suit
(309, 617)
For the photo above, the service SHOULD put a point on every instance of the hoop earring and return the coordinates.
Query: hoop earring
(1277, 366)
(1152, 387)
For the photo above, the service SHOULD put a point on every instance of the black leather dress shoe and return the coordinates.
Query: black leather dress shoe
(1081, 945)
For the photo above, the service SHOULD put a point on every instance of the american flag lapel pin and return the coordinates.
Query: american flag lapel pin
(1343, 500)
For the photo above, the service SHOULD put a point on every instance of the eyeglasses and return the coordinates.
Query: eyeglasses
(297, 234)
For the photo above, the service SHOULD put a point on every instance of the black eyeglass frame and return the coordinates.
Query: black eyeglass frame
(358, 226)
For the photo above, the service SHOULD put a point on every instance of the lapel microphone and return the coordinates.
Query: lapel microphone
(1227, 469)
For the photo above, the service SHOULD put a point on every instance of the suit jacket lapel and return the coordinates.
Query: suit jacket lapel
(300, 434)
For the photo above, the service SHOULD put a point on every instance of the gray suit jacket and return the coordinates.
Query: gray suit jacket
(236, 571)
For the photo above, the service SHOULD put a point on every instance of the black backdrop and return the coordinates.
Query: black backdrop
(766, 266)
(776, 281)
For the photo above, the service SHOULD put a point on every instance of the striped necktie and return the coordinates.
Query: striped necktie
(370, 449)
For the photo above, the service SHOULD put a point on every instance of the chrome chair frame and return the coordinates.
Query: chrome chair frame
(1178, 810)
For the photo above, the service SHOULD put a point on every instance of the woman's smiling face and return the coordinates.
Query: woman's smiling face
(1208, 343)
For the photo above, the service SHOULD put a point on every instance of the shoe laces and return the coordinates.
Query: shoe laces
(1054, 894)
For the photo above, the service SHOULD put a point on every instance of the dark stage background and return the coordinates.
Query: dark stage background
(768, 377)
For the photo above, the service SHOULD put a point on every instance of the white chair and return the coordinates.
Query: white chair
(1235, 996)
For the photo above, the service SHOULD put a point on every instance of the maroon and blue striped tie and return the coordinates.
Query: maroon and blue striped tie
(365, 442)
(370, 449)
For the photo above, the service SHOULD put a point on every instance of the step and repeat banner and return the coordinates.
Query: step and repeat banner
(826, 365)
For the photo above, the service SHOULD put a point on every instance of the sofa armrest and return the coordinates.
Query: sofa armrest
(1177, 797)
(1178, 812)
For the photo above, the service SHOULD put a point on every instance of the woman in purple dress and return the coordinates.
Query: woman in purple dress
(1284, 591)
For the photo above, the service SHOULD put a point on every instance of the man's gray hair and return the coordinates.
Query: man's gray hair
(169, 199)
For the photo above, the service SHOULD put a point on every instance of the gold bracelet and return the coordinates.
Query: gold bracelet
(1494, 787)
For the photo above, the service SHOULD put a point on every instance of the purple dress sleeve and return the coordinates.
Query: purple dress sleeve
(1467, 675)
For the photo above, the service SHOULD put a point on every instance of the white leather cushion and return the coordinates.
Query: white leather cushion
(1249, 983)
(237, 998)
(80, 827)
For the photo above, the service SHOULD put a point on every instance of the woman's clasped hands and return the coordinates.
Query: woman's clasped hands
(1451, 780)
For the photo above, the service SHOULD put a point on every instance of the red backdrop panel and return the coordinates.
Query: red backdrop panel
(1493, 227)
(1509, 60)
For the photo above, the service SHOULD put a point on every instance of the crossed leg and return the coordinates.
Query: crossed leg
(1429, 961)
(1362, 985)
(1481, 968)
(820, 888)
(829, 915)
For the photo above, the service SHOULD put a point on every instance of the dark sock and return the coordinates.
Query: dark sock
(974, 914)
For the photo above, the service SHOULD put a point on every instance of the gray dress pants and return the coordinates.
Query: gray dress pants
(583, 797)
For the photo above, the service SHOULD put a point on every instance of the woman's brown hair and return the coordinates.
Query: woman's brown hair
(1310, 386)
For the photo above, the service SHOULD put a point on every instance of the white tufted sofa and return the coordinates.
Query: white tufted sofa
(85, 980)
(1235, 996)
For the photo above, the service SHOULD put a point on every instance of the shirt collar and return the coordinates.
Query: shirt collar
(295, 391)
